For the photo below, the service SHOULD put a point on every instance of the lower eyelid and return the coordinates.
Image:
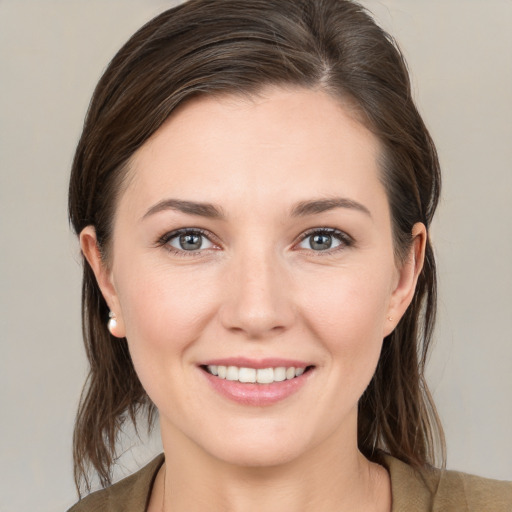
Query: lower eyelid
(204, 238)
(342, 237)
(164, 240)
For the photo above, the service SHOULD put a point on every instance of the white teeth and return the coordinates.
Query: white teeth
(280, 374)
(232, 373)
(247, 375)
(265, 375)
(251, 375)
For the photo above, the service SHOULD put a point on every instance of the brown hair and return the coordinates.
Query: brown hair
(234, 46)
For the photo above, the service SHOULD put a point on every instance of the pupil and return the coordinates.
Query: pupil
(321, 241)
(190, 242)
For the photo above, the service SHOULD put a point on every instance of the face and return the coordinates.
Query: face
(253, 241)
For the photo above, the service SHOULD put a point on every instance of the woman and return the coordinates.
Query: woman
(253, 190)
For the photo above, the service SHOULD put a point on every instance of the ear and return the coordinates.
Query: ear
(91, 251)
(407, 278)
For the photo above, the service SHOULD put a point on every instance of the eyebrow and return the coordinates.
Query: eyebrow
(191, 207)
(313, 207)
(301, 209)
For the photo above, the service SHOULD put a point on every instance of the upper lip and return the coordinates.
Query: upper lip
(267, 362)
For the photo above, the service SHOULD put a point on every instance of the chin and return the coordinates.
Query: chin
(258, 454)
(253, 444)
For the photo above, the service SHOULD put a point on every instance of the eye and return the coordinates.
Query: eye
(186, 240)
(323, 240)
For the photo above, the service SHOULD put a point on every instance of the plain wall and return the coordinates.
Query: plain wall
(51, 55)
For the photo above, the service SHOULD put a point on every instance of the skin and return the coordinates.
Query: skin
(257, 289)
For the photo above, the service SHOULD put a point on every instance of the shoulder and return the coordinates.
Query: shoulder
(475, 492)
(433, 489)
(128, 495)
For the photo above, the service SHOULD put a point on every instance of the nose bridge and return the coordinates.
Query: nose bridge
(258, 300)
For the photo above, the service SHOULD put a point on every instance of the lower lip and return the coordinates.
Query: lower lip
(258, 395)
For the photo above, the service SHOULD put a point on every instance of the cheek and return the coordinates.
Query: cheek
(350, 301)
(164, 313)
(348, 315)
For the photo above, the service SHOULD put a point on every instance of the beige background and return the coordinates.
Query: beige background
(52, 53)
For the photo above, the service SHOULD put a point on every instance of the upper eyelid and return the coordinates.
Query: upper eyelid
(324, 229)
(164, 240)
(331, 231)
(177, 232)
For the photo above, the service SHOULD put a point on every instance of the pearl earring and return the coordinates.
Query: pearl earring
(390, 318)
(112, 322)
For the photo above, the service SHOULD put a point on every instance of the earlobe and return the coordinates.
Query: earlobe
(91, 252)
(408, 275)
(114, 326)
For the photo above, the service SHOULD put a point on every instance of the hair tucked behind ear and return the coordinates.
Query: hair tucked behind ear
(238, 47)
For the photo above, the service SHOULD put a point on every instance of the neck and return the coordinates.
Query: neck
(325, 479)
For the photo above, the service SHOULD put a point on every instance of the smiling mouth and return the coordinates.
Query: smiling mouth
(256, 376)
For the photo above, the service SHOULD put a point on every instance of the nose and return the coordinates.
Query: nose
(258, 300)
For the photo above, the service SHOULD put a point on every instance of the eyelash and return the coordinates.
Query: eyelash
(344, 239)
(165, 239)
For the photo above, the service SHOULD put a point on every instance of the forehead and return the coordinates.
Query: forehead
(280, 145)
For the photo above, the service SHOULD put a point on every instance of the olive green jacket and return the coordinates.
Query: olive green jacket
(413, 491)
